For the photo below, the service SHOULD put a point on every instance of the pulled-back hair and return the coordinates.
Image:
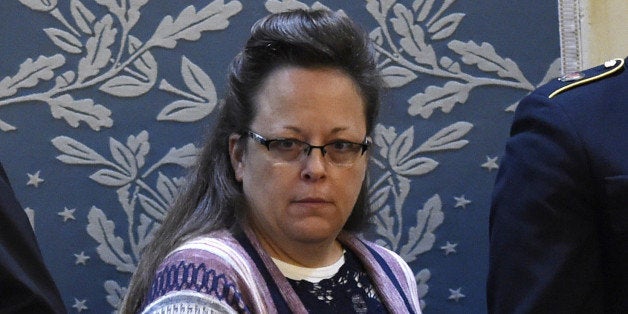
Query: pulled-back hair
(213, 198)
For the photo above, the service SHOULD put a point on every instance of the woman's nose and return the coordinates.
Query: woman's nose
(314, 165)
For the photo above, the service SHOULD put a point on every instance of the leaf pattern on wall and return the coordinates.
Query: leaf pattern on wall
(407, 50)
(201, 101)
(124, 174)
(111, 247)
(105, 48)
(109, 51)
(397, 161)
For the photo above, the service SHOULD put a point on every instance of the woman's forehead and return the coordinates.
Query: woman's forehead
(299, 96)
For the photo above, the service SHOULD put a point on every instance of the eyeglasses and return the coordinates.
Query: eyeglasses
(338, 153)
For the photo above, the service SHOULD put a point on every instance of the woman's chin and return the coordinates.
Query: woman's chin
(313, 231)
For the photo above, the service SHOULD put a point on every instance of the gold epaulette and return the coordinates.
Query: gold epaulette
(579, 78)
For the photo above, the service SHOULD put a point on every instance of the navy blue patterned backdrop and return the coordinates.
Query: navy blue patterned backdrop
(103, 104)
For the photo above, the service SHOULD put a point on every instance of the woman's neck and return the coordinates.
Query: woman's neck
(311, 255)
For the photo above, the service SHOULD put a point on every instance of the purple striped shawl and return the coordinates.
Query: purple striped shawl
(218, 272)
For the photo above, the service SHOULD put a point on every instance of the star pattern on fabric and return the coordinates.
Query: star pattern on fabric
(449, 248)
(491, 163)
(455, 295)
(462, 202)
(67, 214)
(81, 258)
(34, 179)
(79, 305)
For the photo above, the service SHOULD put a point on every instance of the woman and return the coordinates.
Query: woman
(268, 221)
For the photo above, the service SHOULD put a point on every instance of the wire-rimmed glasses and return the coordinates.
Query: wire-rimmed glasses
(339, 153)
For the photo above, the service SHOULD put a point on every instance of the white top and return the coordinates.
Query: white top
(313, 275)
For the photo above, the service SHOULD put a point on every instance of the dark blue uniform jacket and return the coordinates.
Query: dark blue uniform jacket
(559, 215)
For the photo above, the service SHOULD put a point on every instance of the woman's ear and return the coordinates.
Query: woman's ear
(236, 153)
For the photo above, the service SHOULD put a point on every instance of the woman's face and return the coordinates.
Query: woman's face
(307, 200)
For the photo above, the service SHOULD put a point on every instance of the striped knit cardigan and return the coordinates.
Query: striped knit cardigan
(227, 273)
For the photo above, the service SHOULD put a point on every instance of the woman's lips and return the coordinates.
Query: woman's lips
(313, 200)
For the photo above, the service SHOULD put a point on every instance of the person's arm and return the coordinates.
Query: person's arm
(25, 283)
(211, 276)
(188, 301)
(543, 247)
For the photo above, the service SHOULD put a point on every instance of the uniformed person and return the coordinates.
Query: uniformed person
(25, 283)
(559, 215)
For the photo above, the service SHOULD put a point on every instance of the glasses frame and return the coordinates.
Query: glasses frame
(267, 142)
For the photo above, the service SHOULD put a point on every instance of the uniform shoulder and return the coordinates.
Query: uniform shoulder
(572, 81)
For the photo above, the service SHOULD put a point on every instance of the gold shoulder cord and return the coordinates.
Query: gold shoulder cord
(587, 80)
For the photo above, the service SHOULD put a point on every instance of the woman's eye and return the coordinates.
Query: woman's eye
(341, 146)
(286, 144)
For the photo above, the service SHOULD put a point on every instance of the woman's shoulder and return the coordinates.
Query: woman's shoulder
(207, 241)
(213, 267)
(215, 249)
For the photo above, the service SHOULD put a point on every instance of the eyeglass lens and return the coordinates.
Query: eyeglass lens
(338, 153)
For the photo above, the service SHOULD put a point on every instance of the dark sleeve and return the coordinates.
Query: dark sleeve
(544, 254)
(25, 283)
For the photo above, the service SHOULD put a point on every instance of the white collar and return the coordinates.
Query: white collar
(313, 275)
